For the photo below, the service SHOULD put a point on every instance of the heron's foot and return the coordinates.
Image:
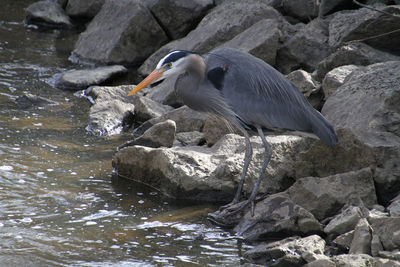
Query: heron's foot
(230, 215)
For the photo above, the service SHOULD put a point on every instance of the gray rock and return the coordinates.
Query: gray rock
(394, 207)
(106, 93)
(367, 106)
(146, 109)
(387, 228)
(29, 100)
(327, 6)
(86, 9)
(260, 40)
(177, 17)
(321, 263)
(303, 81)
(323, 197)
(344, 221)
(394, 257)
(215, 128)
(107, 117)
(193, 138)
(221, 24)
(48, 14)
(123, 32)
(335, 78)
(286, 252)
(277, 215)
(308, 47)
(161, 134)
(367, 25)
(80, 79)
(376, 245)
(361, 243)
(343, 241)
(352, 54)
(304, 10)
(352, 260)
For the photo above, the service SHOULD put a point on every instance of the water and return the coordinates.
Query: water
(60, 205)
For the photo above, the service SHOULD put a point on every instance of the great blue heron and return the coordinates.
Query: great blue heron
(247, 92)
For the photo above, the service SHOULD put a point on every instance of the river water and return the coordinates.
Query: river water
(60, 204)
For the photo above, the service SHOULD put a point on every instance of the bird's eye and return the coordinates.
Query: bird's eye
(168, 65)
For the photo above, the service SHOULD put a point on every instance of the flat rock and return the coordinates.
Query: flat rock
(86, 9)
(286, 252)
(260, 40)
(344, 221)
(81, 79)
(178, 17)
(323, 197)
(335, 78)
(221, 24)
(112, 35)
(47, 14)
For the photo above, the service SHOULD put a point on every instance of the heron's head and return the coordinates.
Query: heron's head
(170, 65)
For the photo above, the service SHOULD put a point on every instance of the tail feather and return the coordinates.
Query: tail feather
(323, 129)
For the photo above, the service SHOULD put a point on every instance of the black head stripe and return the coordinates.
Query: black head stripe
(174, 56)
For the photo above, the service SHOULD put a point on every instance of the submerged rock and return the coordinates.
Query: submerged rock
(30, 100)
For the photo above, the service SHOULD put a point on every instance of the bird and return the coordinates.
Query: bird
(245, 91)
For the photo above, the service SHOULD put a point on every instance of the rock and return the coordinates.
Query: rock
(367, 105)
(303, 81)
(361, 243)
(286, 252)
(352, 260)
(215, 128)
(193, 138)
(387, 228)
(29, 100)
(47, 14)
(352, 54)
(369, 26)
(344, 221)
(86, 9)
(321, 263)
(277, 216)
(161, 134)
(105, 93)
(376, 245)
(221, 24)
(80, 79)
(177, 17)
(146, 109)
(393, 255)
(328, 6)
(305, 49)
(323, 197)
(108, 117)
(335, 78)
(304, 10)
(260, 40)
(343, 241)
(394, 207)
(112, 37)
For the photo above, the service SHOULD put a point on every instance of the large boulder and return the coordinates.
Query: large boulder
(48, 14)
(367, 106)
(304, 10)
(221, 24)
(178, 17)
(123, 32)
(86, 9)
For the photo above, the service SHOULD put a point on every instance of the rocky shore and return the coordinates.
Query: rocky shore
(321, 206)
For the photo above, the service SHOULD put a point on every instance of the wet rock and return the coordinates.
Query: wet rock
(161, 134)
(368, 25)
(260, 40)
(343, 241)
(221, 24)
(105, 93)
(47, 14)
(361, 243)
(29, 100)
(335, 78)
(344, 221)
(394, 207)
(352, 54)
(108, 117)
(112, 35)
(323, 197)
(303, 81)
(146, 109)
(387, 228)
(80, 79)
(277, 216)
(304, 10)
(86, 9)
(307, 48)
(193, 138)
(177, 17)
(286, 252)
(367, 106)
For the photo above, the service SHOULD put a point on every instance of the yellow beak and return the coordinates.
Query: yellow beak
(148, 80)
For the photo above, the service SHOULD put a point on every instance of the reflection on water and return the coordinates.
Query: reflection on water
(59, 203)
